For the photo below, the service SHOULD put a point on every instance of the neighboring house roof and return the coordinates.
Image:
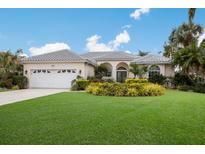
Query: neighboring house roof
(152, 59)
(109, 55)
(61, 56)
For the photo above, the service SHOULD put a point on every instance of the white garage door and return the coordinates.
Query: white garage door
(58, 78)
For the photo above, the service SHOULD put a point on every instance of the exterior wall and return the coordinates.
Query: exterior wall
(165, 69)
(79, 66)
(169, 71)
(89, 70)
(114, 66)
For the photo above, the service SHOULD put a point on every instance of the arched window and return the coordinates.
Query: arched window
(153, 70)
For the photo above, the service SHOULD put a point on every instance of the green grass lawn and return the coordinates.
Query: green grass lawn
(81, 118)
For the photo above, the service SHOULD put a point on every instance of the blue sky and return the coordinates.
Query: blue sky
(35, 28)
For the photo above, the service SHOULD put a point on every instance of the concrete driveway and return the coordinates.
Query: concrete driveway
(25, 94)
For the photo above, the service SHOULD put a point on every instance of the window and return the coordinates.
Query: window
(39, 71)
(26, 71)
(44, 71)
(48, 71)
(153, 70)
(68, 71)
(73, 71)
(59, 71)
(63, 71)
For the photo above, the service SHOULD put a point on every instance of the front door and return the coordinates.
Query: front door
(121, 76)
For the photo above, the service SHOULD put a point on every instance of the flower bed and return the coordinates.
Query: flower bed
(125, 89)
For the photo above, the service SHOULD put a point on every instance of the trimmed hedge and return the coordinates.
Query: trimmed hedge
(80, 84)
(129, 81)
(134, 89)
(20, 81)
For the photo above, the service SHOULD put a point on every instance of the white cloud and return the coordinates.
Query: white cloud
(48, 48)
(138, 12)
(127, 51)
(201, 38)
(94, 45)
(23, 55)
(126, 26)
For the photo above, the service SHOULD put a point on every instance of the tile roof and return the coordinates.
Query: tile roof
(109, 55)
(61, 55)
(152, 59)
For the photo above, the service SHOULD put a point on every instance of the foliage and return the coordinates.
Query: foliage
(181, 79)
(142, 53)
(15, 87)
(100, 71)
(157, 78)
(199, 87)
(116, 89)
(94, 79)
(185, 88)
(129, 81)
(107, 79)
(6, 83)
(138, 70)
(20, 81)
(80, 84)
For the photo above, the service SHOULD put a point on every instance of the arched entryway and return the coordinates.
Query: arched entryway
(108, 66)
(153, 70)
(122, 72)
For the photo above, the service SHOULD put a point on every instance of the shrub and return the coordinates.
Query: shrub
(116, 89)
(15, 87)
(94, 79)
(107, 79)
(185, 88)
(157, 78)
(7, 84)
(20, 81)
(200, 88)
(181, 79)
(152, 90)
(129, 81)
(79, 84)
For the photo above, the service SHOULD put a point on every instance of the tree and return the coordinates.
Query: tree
(191, 14)
(190, 59)
(138, 70)
(100, 71)
(8, 64)
(142, 53)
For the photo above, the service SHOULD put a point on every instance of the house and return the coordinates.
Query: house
(58, 69)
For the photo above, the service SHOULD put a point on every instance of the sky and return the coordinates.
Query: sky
(38, 31)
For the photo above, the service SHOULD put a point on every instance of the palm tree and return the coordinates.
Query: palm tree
(138, 70)
(191, 14)
(190, 59)
(142, 53)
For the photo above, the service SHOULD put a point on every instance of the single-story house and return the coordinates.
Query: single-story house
(58, 69)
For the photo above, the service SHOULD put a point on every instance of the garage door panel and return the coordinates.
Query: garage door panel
(52, 78)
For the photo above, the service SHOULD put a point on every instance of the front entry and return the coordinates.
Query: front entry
(121, 76)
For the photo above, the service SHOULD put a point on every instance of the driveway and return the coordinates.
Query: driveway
(25, 94)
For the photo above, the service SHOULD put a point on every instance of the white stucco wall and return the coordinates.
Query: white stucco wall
(165, 69)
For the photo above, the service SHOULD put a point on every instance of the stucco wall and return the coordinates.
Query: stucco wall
(89, 70)
(165, 70)
(79, 66)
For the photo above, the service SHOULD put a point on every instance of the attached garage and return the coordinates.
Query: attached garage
(52, 78)
(56, 69)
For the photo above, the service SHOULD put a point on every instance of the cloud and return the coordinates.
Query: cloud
(127, 51)
(94, 45)
(48, 48)
(138, 12)
(126, 26)
(201, 38)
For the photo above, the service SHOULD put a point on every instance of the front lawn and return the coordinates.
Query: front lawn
(80, 118)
